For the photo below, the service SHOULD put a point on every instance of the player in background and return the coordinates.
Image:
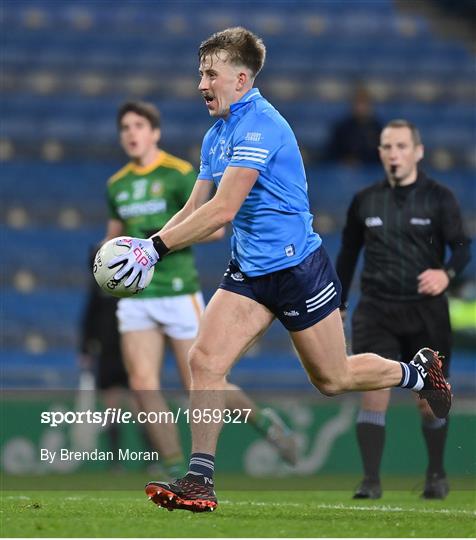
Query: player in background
(252, 155)
(143, 196)
(100, 354)
(102, 367)
(403, 223)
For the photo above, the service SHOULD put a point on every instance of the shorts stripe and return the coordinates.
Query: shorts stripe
(196, 306)
(319, 295)
(322, 298)
(317, 306)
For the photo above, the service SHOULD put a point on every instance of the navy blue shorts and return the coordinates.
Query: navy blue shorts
(299, 296)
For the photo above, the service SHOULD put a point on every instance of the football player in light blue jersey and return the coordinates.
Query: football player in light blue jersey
(278, 269)
(273, 228)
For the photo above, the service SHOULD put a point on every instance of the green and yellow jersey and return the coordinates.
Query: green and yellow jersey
(144, 199)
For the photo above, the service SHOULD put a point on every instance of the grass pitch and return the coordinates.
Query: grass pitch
(277, 513)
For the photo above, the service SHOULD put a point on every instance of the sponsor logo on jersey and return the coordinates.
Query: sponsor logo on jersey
(142, 208)
(225, 153)
(420, 221)
(253, 136)
(291, 313)
(122, 196)
(373, 221)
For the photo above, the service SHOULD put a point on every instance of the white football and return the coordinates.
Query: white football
(104, 276)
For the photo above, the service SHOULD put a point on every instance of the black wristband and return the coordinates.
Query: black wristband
(160, 247)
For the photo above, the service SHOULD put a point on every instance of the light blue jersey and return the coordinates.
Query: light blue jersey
(273, 228)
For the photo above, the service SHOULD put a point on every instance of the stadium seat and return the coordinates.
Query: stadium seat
(66, 67)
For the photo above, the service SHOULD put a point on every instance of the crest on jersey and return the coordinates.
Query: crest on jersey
(156, 189)
(374, 221)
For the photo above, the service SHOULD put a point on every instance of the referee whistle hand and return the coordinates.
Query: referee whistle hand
(433, 282)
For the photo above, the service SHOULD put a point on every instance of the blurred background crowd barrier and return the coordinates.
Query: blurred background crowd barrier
(66, 66)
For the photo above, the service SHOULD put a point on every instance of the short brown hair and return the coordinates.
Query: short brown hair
(243, 48)
(401, 123)
(142, 108)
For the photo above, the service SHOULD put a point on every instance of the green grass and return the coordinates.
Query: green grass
(304, 513)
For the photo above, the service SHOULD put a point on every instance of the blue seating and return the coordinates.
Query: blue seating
(57, 368)
(53, 315)
(54, 369)
(309, 44)
(54, 185)
(332, 187)
(75, 119)
(61, 255)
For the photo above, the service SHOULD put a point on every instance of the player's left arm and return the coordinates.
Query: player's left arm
(435, 281)
(234, 187)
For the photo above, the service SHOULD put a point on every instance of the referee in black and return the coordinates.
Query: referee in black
(404, 223)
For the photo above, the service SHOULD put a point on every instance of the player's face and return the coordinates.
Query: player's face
(138, 137)
(399, 154)
(220, 83)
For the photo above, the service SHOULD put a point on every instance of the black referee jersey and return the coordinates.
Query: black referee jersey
(404, 230)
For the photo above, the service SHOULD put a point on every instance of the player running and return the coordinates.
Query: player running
(142, 197)
(280, 267)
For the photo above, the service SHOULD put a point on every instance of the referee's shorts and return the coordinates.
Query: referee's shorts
(397, 330)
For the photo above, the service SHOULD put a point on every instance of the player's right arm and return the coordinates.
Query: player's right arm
(200, 195)
(201, 192)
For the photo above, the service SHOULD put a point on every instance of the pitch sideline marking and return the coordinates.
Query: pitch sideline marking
(298, 505)
(354, 507)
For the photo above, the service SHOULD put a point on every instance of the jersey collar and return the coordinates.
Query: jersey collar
(421, 177)
(251, 95)
(137, 169)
